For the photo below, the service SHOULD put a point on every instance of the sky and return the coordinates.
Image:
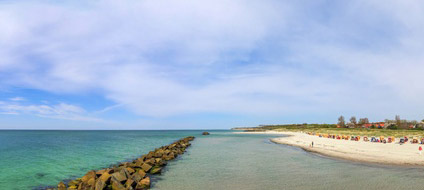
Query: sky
(210, 64)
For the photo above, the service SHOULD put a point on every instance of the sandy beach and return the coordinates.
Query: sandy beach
(389, 153)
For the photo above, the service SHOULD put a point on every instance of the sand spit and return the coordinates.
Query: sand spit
(389, 153)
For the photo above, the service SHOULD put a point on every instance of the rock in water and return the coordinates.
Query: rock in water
(100, 185)
(61, 186)
(146, 167)
(105, 177)
(205, 133)
(116, 185)
(119, 176)
(130, 170)
(129, 183)
(156, 170)
(143, 184)
(89, 175)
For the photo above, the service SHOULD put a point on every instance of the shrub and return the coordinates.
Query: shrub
(392, 127)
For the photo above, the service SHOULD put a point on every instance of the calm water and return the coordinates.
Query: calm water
(220, 161)
(29, 159)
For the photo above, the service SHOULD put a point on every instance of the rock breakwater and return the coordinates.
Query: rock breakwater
(134, 175)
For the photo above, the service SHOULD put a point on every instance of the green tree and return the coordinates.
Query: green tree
(392, 127)
(363, 121)
(353, 120)
(341, 122)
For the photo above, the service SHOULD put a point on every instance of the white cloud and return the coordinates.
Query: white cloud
(57, 111)
(248, 57)
(16, 99)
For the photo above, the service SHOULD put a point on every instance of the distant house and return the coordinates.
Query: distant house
(379, 125)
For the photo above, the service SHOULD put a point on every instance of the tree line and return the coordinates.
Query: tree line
(397, 123)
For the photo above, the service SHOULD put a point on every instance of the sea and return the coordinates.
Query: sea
(222, 160)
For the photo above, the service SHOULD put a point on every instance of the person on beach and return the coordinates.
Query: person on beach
(420, 150)
(312, 145)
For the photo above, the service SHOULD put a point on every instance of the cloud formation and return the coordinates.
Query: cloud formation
(57, 111)
(225, 56)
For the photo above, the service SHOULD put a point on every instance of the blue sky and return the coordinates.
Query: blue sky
(160, 64)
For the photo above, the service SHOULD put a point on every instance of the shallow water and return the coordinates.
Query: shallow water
(30, 159)
(232, 161)
(222, 160)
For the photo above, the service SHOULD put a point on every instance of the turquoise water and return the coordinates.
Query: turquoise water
(30, 159)
(222, 160)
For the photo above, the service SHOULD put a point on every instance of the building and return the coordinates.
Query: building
(379, 125)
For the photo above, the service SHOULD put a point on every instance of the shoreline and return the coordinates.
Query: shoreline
(358, 151)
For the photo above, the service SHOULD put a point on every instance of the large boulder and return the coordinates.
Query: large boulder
(88, 176)
(100, 184)
(61, 186)
(100, 172)
(117, 185)
(138, 163)
(143, 184)
(130, 183)
(105, 177)
(146, 167)
(205, 133)
(137, 177)
(130, 170)
(74, 183)
(88, 181)
(156, 170)
(119, 176)
(160, 162)
(150, 161)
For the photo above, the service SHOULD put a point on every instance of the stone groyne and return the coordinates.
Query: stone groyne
(129, 175)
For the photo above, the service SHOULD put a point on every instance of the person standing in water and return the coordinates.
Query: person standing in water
(420, 149)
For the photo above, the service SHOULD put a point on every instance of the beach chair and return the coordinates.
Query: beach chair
(414, 140)
(381, 138)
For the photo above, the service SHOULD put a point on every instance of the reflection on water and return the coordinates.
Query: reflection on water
(231, 161)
